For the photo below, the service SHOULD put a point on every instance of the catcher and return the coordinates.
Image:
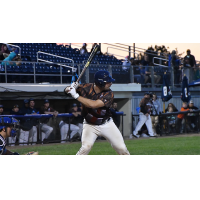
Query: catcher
(9, 128)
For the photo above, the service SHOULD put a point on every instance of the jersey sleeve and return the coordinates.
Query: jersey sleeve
(107, 98)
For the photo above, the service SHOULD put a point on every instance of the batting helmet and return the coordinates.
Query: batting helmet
(9, 122)
(102, 77)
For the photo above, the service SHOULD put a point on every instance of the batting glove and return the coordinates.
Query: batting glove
(67, 89)
(73, 92)
(75, 85)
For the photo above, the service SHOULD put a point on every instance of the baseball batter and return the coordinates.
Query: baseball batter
(96, 100)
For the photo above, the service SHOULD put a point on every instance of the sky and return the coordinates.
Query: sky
(182, 47)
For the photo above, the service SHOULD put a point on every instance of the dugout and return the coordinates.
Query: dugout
(15, 93)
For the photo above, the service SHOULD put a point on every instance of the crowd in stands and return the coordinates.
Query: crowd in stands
(142, 64)
(179, 66)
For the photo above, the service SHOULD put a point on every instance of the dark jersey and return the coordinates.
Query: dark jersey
(78, 119)
(2, 144)
(42, 111)
(99, 115)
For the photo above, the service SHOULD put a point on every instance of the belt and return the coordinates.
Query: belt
(107, 120)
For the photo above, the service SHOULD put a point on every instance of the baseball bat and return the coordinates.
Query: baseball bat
(94, 51)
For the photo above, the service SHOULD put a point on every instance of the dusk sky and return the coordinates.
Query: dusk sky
(182, 47)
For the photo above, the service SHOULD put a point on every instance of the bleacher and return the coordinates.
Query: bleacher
(42, 69)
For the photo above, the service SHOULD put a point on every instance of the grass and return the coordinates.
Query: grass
(153, 146)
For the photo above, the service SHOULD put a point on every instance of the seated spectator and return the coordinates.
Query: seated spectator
(176, 64)
(189, 65)
(171, 105)
(98, 51)
(192, 117)
(45, 129)
(157, 78)
(4, 50)
(83, 49)
(13, 56)
(126, 64)
(171, 121)
(1, 110)
(116, 118)
(180, 118)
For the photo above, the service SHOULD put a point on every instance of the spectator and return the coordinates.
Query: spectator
(157, 78)
(75, 121)
(144, 116)
(156, 110)
(173, 107)
(189, 65)
(180, 119)
(193, 117)
(4, 49)
(1, 110)
(45, 129)
(176, 64)
(83, 49)
(116, 118)
(33, 132)
(126, 64)
(171, 121)
(98, 51)
(144, 77)
(13, 56)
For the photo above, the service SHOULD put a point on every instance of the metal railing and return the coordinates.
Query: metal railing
(40, 52)
(120, 50)
(121, 74)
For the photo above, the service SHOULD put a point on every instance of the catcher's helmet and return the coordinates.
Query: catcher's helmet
(9, 122)
(102, 77)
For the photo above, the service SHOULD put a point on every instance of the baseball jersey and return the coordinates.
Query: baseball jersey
(2, 144)
(99, 115)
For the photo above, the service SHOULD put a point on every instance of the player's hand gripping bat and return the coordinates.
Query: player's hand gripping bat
(75, 84)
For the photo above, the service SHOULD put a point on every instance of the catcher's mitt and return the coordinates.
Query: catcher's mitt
(32, 153)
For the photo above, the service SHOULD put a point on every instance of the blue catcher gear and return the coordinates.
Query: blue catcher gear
(9, 122)
(102, 77)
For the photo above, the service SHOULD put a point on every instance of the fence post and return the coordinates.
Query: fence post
(131, 74)
(152, 77)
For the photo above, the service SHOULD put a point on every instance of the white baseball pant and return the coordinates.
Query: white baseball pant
(64, 128)
(45, 131)
(80, 125)
(33, 135)
(144, 119)
(109, 131)
(23, 137)
(12, 141)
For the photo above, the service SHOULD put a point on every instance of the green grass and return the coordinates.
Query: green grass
(153, 146)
